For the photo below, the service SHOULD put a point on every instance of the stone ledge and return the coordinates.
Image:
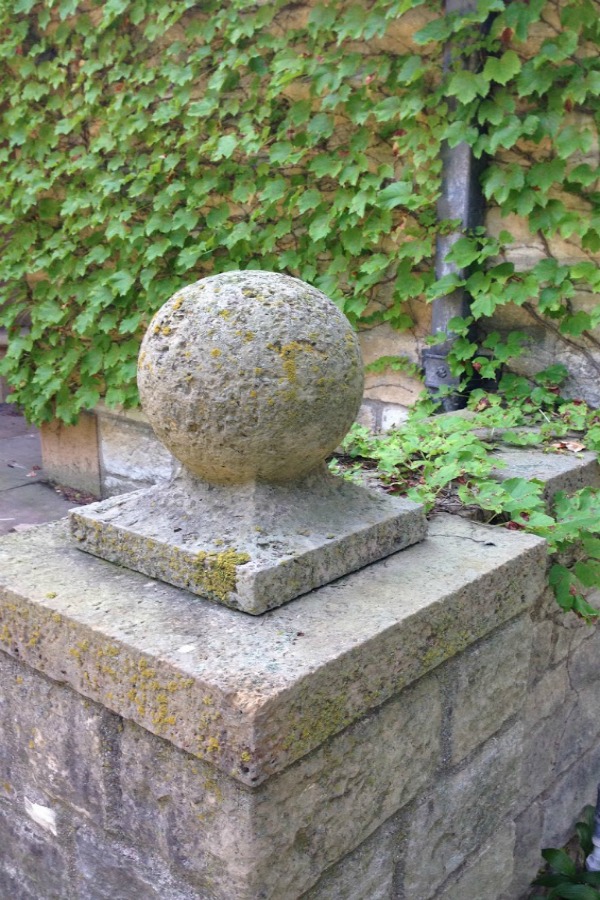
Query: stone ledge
(251, 696)
(558, 471)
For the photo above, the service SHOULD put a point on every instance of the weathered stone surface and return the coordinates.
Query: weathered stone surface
(110, 870)
(250, 376)
(489, 873)
(33, 864)
(50, 738)
(584, 660)
(299, 822)
(70, 453)
(562, 803)
(482, 793)
(368, 872)
(367, 416)
(130, 452)
(544, 727)
(252, 695)
(393, 417)
(558, 471)
(251, 379)
(254, 546)
(556, 635)
(329, 802)
(488, 686)
(528, 852)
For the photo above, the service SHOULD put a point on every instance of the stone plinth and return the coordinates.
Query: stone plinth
(166, 746)
(250, 379)
(251, 547)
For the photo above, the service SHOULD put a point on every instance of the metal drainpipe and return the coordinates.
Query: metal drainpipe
(460, 199)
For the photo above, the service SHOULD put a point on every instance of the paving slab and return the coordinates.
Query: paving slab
(26, 498)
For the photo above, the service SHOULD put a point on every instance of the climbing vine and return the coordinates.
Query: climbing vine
(146, 144)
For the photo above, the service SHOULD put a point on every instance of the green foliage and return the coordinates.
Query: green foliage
(448, 463)
(149, 144)
(146, 145)
(565, 876)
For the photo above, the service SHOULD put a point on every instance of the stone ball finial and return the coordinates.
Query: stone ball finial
(250, 376)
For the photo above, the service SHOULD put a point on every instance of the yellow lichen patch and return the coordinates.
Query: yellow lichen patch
(224, 313)
(215, 352)
(249, 336)
(177, 302)
(34, 639)
(51, 595)
(165, 330)
(216, 572)
(288, 353)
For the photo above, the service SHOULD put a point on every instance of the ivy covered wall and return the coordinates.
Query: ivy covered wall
(146, 144)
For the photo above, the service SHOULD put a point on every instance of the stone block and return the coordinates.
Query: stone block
(51, 740)
(70, 453)
(488, 685)
(329, 802)
(109, 870)
(488, 873)
(581, 730)
(252, 546)
(367, 416)
(393, 417)
(528, 852)
(549, 705)
(299, 822)
(562, 804)
(182, 808)
(584, 660)
(130, 454)
(556, 635)
(33, 863)
(561, 471)
(278, 686)
(465, 811)
(367, 872)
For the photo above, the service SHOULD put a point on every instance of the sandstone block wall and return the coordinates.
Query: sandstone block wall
(419, 730)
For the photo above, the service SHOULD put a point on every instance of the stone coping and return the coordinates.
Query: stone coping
(252, 695)
(557, 471)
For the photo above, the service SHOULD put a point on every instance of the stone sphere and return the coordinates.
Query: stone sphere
(250, 376)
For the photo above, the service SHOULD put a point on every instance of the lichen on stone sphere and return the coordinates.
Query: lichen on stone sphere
(250, 376)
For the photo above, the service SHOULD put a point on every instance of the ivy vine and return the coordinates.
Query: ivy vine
(146, 144)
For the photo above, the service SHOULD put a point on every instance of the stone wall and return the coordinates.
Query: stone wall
(417, 730)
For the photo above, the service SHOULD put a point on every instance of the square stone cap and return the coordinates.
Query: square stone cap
(252, 695)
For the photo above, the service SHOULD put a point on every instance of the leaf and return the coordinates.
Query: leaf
(560, 861)
(576, 892)
(395, 194)
(320, 226)
(467, 85)
(225, 146)
(503, 69)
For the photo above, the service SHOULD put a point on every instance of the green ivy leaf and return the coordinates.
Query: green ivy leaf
(504, 68)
